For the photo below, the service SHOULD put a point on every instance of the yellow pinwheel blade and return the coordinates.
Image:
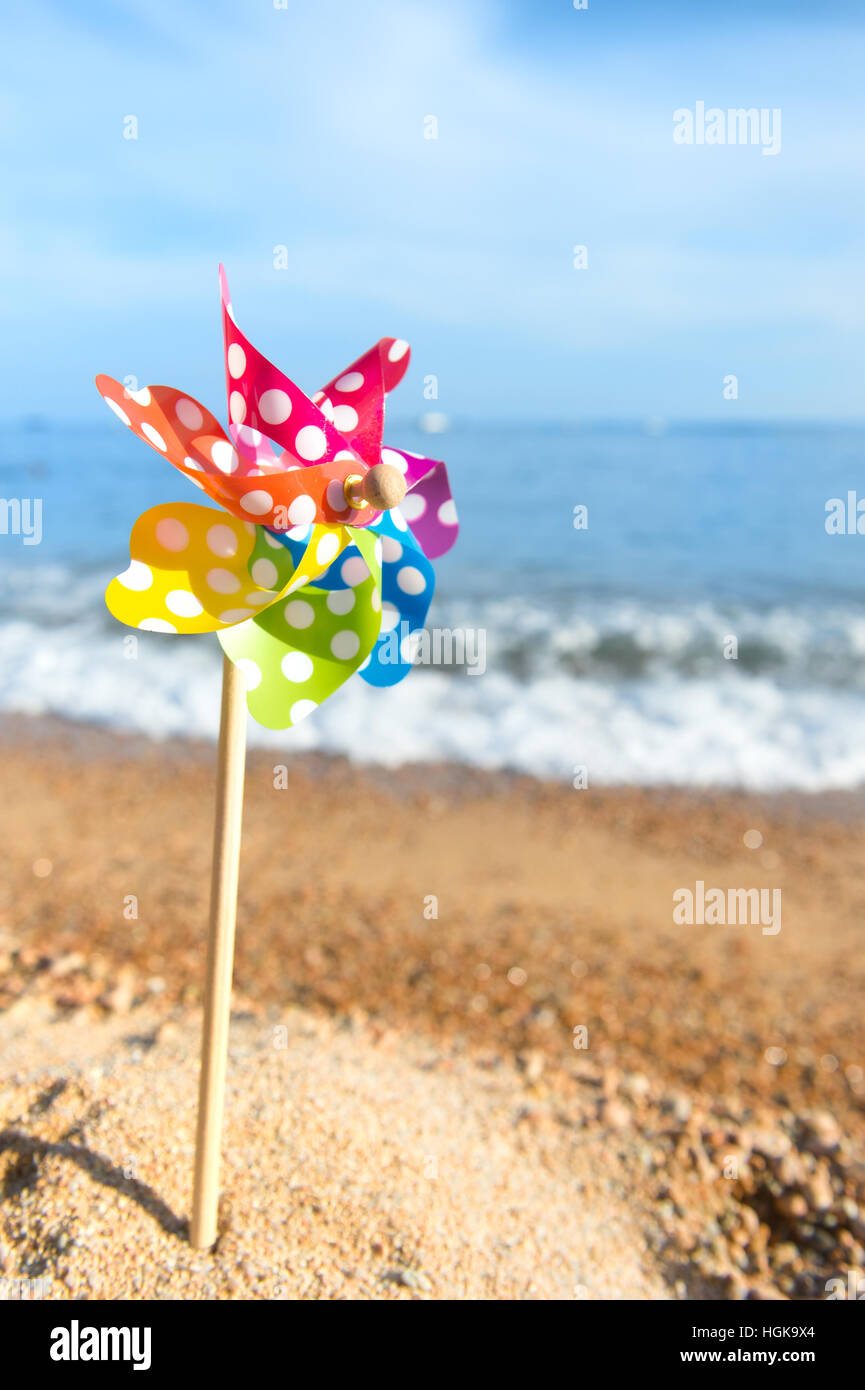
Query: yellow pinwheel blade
(195, 569)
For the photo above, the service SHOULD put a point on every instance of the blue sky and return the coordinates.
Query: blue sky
(303, 127)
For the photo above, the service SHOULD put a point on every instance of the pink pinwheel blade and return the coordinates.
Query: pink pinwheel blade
(260, 396)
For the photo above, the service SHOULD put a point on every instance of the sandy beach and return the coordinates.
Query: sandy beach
(473, 1054)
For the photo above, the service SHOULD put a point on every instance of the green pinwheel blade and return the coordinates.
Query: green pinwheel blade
(307, 644)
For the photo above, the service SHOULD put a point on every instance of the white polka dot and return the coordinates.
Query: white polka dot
(141, 397)
(188, 413)
(398, 519)
(250, 436)
(410, 580)
(302, 510)
(352, 381)
(121, 414)
(172, 534)
(250, 671)
(335, 496)
(297, 583)
(224, 456)
(354, 570)
(299, 533)
(299, 613)
(310, 442)
(345, 645)
(389, 616)
(156, 625)
(222, 541)
(296, 667)
(300, 709)
(274, 406)
(377, 551)
(194, 464)
(344, 418)
(319, 396)
(154, 436)
(138, 576)
(413, 506)
(273, 541)
(327, 547)
(447, 513)
(236, 360)
(184, 604)
(341, 601)
(265, 573)
(394, 459)
(391, 549)
(397, 350)
(235, 615)
(222, 581)
(237, 407)
(375, 600)
(257, 503)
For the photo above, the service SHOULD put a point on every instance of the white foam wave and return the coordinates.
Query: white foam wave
(730, 730)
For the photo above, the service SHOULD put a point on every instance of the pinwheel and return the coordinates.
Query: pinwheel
(316, 565)
(318, 512)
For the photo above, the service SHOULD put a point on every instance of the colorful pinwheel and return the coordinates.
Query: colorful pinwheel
(309, 572)
(310, 501)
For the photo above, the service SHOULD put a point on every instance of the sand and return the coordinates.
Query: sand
(424, 1126)
(356, 1166)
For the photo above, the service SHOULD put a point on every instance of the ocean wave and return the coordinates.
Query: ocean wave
(633, 692)
(547, 633)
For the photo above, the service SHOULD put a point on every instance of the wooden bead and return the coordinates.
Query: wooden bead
(384, 487)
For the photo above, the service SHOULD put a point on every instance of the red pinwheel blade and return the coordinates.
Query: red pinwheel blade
(354, 400)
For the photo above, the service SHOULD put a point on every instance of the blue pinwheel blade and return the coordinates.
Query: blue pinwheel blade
(407, 587)
(408, 583)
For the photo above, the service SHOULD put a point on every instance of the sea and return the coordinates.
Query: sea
(642, 604)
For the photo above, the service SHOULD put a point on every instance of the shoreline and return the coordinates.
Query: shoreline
(88, 740)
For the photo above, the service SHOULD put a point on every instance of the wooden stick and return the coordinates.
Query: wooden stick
(220, 954)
